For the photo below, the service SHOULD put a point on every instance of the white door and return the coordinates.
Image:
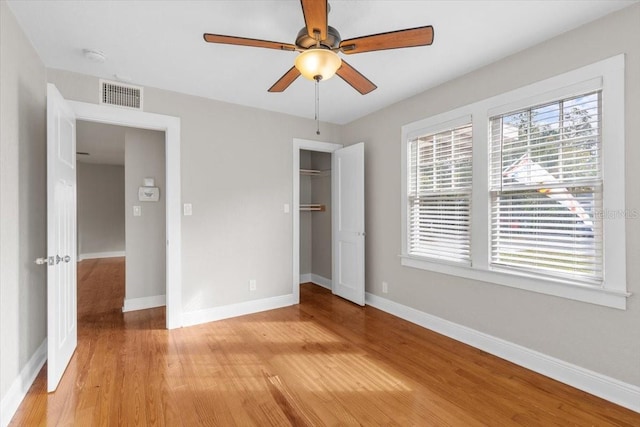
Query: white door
(62, 328)
(348, 222)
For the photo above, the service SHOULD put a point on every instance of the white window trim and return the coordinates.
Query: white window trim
(431, 128)
(607, 75)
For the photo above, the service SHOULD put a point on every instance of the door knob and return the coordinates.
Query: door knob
(65, 258)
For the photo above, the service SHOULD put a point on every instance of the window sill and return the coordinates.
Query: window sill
(559, 288)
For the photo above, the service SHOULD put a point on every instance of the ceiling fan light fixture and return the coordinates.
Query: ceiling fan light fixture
(318, 63)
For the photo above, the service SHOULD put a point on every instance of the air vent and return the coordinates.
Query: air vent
(120, 95)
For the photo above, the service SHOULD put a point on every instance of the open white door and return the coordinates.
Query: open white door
(348, 222)
(62, 331)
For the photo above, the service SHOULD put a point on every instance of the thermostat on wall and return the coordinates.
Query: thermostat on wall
(148, 194)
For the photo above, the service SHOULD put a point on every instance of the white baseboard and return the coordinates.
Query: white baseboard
(316, 279)
(133, 304)
(321, 281)
(95, 255)
(611, 389)
(22, 383)
(305, 278)
(234, 310)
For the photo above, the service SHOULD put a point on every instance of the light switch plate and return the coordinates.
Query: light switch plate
(188, 209)
(137, 211)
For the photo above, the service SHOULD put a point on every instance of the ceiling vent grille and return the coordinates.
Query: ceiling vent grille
(120, 95)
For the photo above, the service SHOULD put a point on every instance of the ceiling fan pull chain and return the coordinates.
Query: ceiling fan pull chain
(317, 106)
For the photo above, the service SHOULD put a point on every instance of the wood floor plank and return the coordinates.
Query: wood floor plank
(323, 362)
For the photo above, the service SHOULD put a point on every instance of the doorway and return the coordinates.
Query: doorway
(171, 128)
(315, 218)
(347, 217)
(115, 163)
(300, 145)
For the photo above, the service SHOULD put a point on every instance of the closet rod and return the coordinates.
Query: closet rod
(312, 207)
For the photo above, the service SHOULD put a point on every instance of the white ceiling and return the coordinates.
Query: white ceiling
(104, 143)
(159, 44)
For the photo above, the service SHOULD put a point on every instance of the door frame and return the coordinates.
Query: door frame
(171, 127)
(302, 144)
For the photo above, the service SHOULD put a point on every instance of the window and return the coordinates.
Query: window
(524, 189)
(546, 189)
(440, 194)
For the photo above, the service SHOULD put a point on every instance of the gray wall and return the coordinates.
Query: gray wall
(236, 167)
(22, 200)
(145, 234)
(100, 208)
(602, 339)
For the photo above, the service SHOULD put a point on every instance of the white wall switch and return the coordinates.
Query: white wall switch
(137, 211)
(385, 287)
(252, 285)
(188, 209)
(286, 208)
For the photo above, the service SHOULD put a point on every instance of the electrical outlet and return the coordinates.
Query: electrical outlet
(385, 287)
(252, 284)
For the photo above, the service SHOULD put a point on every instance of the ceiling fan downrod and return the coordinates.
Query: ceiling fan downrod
(317, 79)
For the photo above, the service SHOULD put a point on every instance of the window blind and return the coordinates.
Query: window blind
(546, 189)
(439, 194)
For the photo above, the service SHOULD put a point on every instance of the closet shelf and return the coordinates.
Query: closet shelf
(313, 207)
(315, 172)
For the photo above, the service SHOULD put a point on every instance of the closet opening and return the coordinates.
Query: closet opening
(304, 209)
(315, 218)
(328, 218)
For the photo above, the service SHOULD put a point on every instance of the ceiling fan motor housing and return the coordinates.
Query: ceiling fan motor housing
(304, 41)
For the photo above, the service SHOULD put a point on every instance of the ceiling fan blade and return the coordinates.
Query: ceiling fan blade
(285, 80)
(420, 36)
(242, 41)
(315, 17)
(355, 79)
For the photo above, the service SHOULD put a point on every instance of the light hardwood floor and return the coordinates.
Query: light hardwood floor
(323, 362)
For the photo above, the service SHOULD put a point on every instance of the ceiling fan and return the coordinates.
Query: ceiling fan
(318, 44)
